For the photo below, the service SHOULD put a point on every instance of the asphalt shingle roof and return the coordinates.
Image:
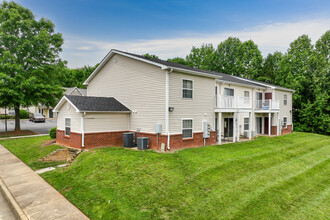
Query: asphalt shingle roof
(97, 104)
(225, 77)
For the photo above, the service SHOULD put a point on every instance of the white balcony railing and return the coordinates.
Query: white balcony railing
(267, 104)
(233, 102)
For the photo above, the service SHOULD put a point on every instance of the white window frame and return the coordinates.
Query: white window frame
(67, 126)
(285, 99)
(246, 98)
(192, 90)
(192, 128)
(285, 123)
(224, 89)
(246, 124)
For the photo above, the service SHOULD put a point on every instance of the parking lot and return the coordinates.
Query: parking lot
(40, 128)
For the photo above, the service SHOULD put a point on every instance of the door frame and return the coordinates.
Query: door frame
(229, 128)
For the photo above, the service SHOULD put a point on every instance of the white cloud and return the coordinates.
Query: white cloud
(269, 38)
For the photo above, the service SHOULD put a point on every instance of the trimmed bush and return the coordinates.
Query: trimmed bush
(23, 114)
(3, 117)
(52, 132)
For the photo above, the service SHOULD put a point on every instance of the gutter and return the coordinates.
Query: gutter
(82, 130)
(167, 104)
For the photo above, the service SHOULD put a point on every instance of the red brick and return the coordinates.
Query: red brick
(286, 130)
(102, 139)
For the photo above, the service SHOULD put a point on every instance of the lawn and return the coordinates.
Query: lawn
(284, 177)
(30, 150)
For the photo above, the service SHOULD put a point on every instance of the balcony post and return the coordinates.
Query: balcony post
(238, 127)
(219, 127)
(234, 128)
(250, 125)
(269, 123)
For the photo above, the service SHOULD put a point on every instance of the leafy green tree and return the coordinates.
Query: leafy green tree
(28, 52)
(178, 60)
(202, 58)
(270, 68)
(249, 60)
(150, 56)
(226, 56)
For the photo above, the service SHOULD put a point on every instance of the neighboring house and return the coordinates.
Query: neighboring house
(48, 111)
(129, 92)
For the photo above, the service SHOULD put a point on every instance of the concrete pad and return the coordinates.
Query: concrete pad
(5, 161)
(38, 198)
(16, 180)
(45, 170)
(51, 210)
(15, 169)
(26, 188)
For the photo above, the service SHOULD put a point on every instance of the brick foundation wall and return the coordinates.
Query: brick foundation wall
(74, 140)
(286, 130)
(274, 130)
(102, 139)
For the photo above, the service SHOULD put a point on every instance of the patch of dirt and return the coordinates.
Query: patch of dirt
(16, 133)
(48, 143)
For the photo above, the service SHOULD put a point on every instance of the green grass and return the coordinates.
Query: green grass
(283, 177)
(29, 150)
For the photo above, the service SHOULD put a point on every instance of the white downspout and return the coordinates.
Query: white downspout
(82, 130)
(167, 105)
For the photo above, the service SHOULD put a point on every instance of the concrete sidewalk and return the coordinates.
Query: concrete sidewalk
(35, 198)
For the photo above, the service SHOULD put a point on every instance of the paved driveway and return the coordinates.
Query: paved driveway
(40, 128)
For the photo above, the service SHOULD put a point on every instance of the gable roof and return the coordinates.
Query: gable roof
(182, 68)
(69, 90)
(93, 104)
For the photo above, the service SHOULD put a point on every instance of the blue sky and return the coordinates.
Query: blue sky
(170, 28)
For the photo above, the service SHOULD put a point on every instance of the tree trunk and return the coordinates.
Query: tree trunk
(17, 122)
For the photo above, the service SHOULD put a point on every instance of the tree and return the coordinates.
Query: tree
(202, 58)
(150, 56)
(249, 60)
(178, 60)
(28, 53)
(270, 68)
(226, 56)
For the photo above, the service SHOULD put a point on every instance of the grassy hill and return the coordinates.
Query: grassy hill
(284, 177)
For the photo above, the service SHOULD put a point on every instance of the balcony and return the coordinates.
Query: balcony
(232, 102)
(267, 104)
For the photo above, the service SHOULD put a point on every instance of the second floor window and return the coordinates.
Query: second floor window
(285, 99)
(187, 89)
(229, 92)
(246, 97)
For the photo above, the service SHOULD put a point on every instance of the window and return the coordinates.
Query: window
(67, 126)
(187, 89)
(187, 128)
(229, 92)
(246, 97)
(285, 99)
(285, 122)
(246, 124)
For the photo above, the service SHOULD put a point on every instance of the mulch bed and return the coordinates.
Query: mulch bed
(16, 133)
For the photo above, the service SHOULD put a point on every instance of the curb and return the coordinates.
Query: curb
(26, 136)
(18, 210)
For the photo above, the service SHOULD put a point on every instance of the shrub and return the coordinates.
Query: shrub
(52, 132)
(3, 117)
(23, 114)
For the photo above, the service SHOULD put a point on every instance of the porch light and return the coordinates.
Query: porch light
(171, 109)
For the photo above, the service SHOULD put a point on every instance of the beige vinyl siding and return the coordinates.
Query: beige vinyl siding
(75, 92)
(137, 85)
(284, 109)
(66, 112)
(105, 122)
(202, 102)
